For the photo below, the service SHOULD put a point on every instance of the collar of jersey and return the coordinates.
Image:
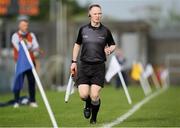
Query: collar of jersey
(95, 28)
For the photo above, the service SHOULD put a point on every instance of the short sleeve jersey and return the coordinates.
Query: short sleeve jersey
(93, 41)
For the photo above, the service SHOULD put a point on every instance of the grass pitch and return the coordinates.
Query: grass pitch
(162, 111)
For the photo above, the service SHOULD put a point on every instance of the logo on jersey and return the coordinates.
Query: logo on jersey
(85, 36)
(101, 37)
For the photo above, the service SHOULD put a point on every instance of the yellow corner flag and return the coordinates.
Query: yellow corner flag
(136, 71)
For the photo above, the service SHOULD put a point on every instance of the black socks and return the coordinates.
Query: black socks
(95, 105)
(91, 109)
(88, 102)
(87, 108)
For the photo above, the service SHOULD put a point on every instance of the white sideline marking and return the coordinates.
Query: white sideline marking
(133, 109)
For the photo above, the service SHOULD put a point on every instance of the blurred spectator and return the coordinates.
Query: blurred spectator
(121, 59)
(33, 47)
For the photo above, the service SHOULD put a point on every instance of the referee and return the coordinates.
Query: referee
(95, 41)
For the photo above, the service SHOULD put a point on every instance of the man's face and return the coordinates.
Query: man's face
(23, 26)
(95, 14)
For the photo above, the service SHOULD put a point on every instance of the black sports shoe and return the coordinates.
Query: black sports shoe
(92, 121)
(87, 113)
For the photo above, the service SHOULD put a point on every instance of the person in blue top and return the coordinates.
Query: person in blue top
(33, 47)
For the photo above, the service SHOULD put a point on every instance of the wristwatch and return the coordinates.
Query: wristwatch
(73, 61)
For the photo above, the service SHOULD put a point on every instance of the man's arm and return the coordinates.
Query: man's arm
(75, 51)
(35, 45)
(74, 58)
(15, 41)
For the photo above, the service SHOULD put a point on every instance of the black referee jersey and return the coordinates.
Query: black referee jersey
(93, 41)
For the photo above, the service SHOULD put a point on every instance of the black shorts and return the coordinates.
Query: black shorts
(91, 74)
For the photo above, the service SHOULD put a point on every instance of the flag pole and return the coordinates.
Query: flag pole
(155, 80)
(144, 86)
(147, 85)
(53, 120)
(125, 87)
(68, 89)
(144, 83)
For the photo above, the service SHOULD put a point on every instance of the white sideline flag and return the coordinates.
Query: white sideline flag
(69, 89)
(148, 71)
(145, 83)
(114, 68)
(48, 107)
(145, 86)
(164, 78)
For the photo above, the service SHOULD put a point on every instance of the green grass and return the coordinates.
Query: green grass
(164, 110)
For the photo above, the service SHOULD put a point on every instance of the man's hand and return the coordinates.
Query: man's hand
(73, 69)
(107, 50)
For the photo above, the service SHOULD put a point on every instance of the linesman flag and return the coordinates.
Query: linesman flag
(136, 71)
(69, 89)
(114, 68)
(22, 66)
